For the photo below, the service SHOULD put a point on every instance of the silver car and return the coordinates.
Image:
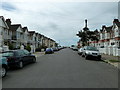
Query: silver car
(80, 51)
(91, 52)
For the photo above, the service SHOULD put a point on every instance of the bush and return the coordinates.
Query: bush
(11, 46)
(28, 48)
(18, 47)
(114, 60)
(44, 47)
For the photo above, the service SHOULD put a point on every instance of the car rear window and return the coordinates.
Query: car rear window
(26, 52)
(92, 48)
(48, 49)
(7, 54)
(19, 53)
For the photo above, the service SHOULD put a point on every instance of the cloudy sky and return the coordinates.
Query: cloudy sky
(59, 20)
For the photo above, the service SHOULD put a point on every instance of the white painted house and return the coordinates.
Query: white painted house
(116, 29)
(32, 39)
(3, 33)
(109, 42)
(17, 35)
(25, 36)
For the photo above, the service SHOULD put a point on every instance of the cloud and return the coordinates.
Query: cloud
(62, 1)
(61, 20)
(8, 6)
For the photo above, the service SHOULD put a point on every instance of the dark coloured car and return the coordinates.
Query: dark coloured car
(49, 51)
(3, 65)
(19, 58)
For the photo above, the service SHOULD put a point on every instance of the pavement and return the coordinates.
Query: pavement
(38, 54)
(107, 58)
(63, 69)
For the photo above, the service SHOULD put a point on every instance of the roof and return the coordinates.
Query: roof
(37, 33)
(24, 29)
(4, 22)
(1, 17)
(15, 27)
(31, 32)
(108, 29)
(116, 21)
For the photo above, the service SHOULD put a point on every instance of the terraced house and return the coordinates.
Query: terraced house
(14, 36)
(4, 33)
(109, 39)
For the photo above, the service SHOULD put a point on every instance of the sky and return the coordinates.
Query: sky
(59, 20)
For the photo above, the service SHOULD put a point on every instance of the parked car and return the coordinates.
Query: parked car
(59, 48)
(89, 52)
(3, 65)
(75, 48)
(19, 58)
(80, 51)
(49, 51)
(55, 49)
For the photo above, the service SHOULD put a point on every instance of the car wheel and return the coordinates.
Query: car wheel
(82, 55)
(4, 71)
(34, 60)
(20, 64)
(99, 59)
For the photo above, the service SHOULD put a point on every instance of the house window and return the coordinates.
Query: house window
(112, 43)
(18, 35)
(119, 45)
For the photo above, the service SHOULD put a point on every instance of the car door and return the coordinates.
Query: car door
(23, 56)
(27, 56)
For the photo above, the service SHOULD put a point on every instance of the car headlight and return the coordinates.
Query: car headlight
(99, 53)
(88, 53)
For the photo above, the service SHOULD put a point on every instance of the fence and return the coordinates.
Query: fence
(110, 50)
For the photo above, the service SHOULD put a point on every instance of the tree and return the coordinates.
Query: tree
(85, 36)
(28, 48)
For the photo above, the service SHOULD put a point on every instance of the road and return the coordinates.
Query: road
(63, 69)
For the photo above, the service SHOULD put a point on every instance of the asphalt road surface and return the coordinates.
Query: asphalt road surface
(63, 69)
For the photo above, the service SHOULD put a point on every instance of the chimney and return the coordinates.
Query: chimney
(8, 21)
(103, 26)
(115, 21)
(86, 23)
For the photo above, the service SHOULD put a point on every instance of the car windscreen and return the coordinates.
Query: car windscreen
(7, 54)
(48, 49)
(92, 48)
